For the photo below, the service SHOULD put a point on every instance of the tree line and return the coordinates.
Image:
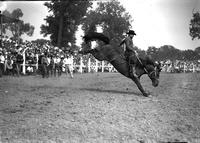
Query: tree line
(111, 16)
(166, 52)
(19, 28)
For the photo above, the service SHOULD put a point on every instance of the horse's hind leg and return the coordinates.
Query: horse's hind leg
(137, 82)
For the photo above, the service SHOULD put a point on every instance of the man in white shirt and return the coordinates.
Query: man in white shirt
(68, 63)
(57, 64)
(2, 62)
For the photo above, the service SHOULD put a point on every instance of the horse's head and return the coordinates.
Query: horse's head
(153, 71)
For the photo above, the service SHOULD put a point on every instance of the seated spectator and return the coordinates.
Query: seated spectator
(29, 70)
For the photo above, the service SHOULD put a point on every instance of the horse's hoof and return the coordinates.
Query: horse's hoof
(147, 94)
(150, 96)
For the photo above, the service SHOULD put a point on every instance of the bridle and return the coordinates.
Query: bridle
(149, 74)
(152, 72)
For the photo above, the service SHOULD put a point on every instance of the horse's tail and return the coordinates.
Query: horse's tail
(96, 36)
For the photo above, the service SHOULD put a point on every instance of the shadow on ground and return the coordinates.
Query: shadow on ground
(101, 90)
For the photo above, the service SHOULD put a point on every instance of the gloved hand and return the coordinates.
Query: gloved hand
(136, 53)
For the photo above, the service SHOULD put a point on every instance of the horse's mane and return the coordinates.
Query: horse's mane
(96, 36)
(147, 60)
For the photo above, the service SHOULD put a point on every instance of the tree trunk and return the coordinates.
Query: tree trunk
(60, 31)
(1, 23)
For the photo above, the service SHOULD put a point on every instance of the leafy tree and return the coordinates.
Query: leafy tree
(113, 19)
(19, 28)
(195, 26)
(190, 55)
(63, 23)
(168, 52)
(197, 50)
(152, 51)
(164, 52)
(40, 41)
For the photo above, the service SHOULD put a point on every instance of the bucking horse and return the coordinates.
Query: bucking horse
(107, 52)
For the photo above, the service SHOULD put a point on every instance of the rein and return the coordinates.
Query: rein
(149, 74)
(154, 71)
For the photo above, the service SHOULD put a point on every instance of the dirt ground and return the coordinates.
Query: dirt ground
(99, 108)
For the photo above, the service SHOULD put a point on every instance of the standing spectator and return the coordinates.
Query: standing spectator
(48, 63)
(44, 63)
(68, 63)
(57, 63)
(9, 65)
(19, 61)
(51, 66)
(60, 66)
(2, 62)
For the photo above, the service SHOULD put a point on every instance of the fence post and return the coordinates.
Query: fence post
(102, 66)
(37, 58)
(24, 63)
(96, 67)
(193, 67)
(184, 67)
(89, 65)
(109, 67)
(81, 65)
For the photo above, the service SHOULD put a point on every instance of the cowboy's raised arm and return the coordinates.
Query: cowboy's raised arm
(122, 42)
(129, 44)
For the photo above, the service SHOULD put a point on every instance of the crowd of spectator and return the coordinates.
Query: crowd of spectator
(13, 55)
(179, 66)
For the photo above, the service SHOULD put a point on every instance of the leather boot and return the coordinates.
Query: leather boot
(132, 70)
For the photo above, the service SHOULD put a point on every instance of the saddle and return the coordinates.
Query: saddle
(131, 60)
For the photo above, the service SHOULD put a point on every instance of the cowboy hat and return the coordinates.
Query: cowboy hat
(131, 32)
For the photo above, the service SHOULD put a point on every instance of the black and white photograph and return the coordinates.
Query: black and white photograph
(100, 71)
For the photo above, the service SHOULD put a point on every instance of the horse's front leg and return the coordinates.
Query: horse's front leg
(137, 82)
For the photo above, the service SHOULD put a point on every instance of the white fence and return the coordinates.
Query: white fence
(91, 67)
(94, 66)
(183, 68)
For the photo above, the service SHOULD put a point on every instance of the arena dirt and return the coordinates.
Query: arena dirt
(99, 108)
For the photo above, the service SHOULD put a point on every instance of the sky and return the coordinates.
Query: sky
(156, 22)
